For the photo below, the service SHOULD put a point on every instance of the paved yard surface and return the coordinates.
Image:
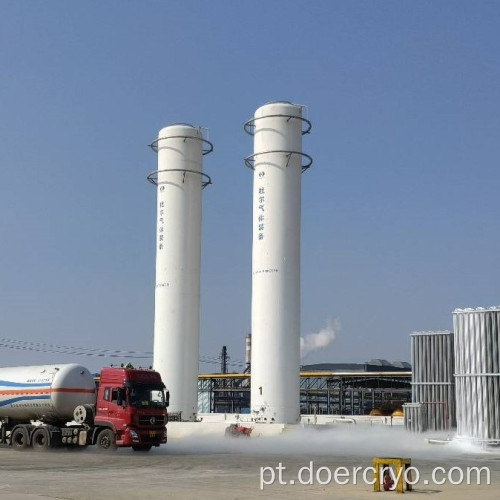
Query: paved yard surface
(222, 468)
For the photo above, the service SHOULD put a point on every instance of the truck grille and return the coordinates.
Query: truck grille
(151, 420)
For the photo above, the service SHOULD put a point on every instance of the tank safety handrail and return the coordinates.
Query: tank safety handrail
(249, 125)
(153, 176)
(250, 160)
(208, 147)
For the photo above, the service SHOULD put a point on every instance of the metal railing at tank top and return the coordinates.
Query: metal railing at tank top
(207, 147)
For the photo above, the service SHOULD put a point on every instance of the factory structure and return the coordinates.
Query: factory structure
(453, 381)
(377, 388)
(452, 385)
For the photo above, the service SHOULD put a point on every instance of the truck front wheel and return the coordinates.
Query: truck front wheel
(19, 438)
(106, 440)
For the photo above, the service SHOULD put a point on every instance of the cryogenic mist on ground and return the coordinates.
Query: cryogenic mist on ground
(359, 440)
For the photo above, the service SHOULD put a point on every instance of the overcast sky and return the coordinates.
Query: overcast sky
(400, 213)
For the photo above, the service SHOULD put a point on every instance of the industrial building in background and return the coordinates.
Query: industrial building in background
(433, 384)
(377, 387)
(179, 180)
(477, 365)
(277, 163)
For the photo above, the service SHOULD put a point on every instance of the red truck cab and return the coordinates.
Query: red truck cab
(131, 403)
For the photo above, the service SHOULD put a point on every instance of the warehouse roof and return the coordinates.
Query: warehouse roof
(374, 365)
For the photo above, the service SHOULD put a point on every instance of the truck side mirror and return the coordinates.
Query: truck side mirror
(167, 398)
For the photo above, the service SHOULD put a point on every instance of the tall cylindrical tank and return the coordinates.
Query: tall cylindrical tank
(477, 373)
(179, 180)
(277, 163)
(432, 359)
(48, 392)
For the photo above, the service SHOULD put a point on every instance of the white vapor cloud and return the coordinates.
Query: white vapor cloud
(314, 341)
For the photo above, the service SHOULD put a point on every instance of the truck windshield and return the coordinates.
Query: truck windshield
(146, 395)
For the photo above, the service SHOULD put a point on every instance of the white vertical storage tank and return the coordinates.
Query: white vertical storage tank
(179, 180)
(432, 359)
(477, 373)
(277, 163)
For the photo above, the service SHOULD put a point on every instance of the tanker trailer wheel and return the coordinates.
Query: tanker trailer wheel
(40, 439)
(106, 440)
(141, 447)
(19, 438)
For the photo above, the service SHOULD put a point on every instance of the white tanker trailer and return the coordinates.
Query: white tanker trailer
(49, 393)
(59, 405)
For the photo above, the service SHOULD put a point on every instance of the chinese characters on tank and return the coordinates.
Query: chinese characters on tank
(261, 199)
(161, 220)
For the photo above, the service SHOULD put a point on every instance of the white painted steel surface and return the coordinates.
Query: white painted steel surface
(477, 373)
(178, 249)
(47, 391)
(432, 359)
(276, 264)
